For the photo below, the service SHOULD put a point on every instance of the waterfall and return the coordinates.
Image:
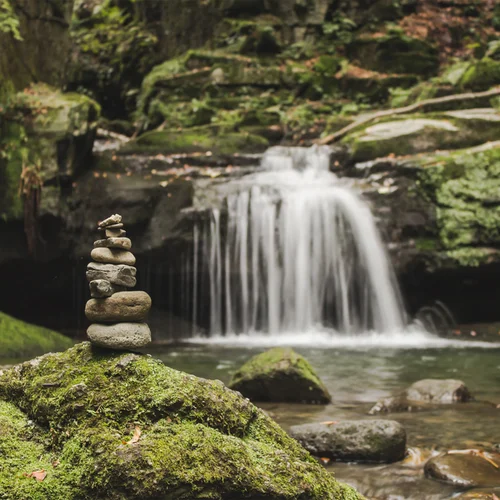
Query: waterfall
(294, 250)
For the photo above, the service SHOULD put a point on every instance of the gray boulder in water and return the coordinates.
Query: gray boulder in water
(427, 391)
(359, 441)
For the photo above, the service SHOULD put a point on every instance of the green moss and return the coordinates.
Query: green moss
(20, 339)
(481, 75)
(474, 257)
(394, 53)
(465, 186)
(198, 438)
(279, 374)
(192, 140)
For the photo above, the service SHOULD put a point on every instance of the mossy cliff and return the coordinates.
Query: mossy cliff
(124, 426)
(21, 340)
(45, 132)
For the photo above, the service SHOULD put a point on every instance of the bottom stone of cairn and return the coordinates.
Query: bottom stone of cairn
(120, 335)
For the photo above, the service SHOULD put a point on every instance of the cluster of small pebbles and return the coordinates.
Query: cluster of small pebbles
(117, 314)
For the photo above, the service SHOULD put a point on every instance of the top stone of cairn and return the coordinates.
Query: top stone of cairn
(113, 220)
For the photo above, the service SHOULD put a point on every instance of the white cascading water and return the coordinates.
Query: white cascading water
(296, 251)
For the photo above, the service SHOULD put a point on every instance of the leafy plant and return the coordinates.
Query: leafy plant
(9, 23)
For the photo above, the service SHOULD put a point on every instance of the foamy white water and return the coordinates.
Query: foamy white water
(297, 249)
(331, 339)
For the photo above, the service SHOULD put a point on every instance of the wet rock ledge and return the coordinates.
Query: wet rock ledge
(89, 423)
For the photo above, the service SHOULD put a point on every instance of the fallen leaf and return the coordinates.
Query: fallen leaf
(325, 460)
(39, 475)
(330, 422)
(136, 436)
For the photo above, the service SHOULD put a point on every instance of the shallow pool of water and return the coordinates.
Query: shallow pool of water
(359, 374)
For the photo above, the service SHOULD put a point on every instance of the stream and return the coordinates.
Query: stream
(359, 374)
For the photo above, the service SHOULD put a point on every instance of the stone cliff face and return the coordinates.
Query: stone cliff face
(203, 86)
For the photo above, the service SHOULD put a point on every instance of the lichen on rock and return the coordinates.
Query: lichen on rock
(119, 426)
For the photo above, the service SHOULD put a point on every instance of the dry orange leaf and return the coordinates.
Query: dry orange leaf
(39, 475)
(330, 422)
(136, 436)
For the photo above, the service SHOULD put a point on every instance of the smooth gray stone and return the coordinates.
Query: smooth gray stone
(120, 335)
(356, 440)
(116, 274)
(122, 243)
(115, 233)
(113, 256)
(439, 391)
(110, 221)
(100, 289)
(121, 306)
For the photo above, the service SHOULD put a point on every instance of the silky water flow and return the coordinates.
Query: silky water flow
(294, 250)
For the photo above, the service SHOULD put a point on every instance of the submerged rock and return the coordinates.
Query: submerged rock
(480, 494)
(427, 391)
(467, 468)
(280, 375)
(137, 429)
(360, 441)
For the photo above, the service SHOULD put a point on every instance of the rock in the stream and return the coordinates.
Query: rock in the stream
(466, 468)
(116, 274)
(280, 375)
(121, 306)
(120, 335)
(113, 256)
(427, 391)
(360, 441)
(138, 429)
(480, 494)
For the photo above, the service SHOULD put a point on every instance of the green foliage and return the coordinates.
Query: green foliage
(9, 23)
(339, 29)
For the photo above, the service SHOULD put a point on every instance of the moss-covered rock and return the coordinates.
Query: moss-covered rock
(280, 374)
(124, 426)
(413, 134)
(481, 75)
(465, 187)
(394, 53)
(196, 139)
(21, 340)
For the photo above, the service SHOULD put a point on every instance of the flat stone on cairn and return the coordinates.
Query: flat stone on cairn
(120, 313)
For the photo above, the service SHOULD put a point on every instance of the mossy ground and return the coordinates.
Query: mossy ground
(198, 439)
(21, 340)
(280, 374)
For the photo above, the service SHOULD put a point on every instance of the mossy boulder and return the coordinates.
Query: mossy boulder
(125, 426)
(196, 139)
(425, 132)
(277, 375)
(394, 53)
(481, 75)
(21, 340)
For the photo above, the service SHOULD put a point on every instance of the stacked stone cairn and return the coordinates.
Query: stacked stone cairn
(117, 314)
